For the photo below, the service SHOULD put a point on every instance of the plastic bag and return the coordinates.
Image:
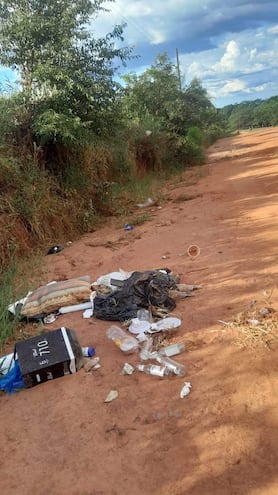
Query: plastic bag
(12, 381)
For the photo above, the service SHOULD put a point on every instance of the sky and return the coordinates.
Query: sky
(232, 47)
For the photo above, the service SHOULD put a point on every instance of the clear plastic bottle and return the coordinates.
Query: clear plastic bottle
(126, 343)
(172, 350)
(155, 370)
(146, 350)
(171, 365)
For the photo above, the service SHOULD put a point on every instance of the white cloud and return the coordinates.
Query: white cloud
(156, 36)
(260, 88)
(273, 29)
(252, 54)
(228, 61)
(239, 66)
(228, 87)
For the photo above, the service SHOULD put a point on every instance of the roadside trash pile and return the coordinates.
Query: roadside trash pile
(155, 361)
(116, 296)
(140, 301)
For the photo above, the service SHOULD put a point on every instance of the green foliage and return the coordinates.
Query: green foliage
(194, 146)
(15, 282)
(195, 135)
(152, 94)
(66, 75)
(154, 97)
(194, 109)
(7, 323)
(214, 132)
(54, 126)
(248, 114)
(153, 101)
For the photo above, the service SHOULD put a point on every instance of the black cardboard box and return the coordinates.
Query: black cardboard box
(48, 356)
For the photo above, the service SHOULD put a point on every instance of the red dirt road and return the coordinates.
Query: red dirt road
(60, 438)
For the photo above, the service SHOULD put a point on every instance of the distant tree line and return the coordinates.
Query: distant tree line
(250, 114)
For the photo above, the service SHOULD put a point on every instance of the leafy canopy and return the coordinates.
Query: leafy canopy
(156, 94)
(66, 74)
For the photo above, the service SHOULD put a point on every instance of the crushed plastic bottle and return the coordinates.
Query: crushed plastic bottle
(126, 343)
(172, 365)
(155, 370)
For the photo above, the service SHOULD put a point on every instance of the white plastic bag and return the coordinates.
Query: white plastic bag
(106, 279)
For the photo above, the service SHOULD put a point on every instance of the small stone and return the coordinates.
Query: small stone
(113, 394)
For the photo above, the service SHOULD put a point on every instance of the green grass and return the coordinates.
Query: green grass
(8, 323)
(15, 282)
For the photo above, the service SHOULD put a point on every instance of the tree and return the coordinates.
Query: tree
(153, 93)
(193, 109)
(156, 94)
(66, 75)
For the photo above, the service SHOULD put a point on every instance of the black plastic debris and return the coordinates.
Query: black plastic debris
(148, 289)
(55, 249)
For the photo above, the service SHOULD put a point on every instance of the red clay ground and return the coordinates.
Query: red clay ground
(60, 438)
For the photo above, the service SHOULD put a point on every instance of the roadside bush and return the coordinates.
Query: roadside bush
(123, 163)
(194, 146)
(212, 133)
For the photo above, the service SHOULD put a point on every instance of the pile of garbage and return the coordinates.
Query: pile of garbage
(141, 301)
(116, 296)
(158, 362)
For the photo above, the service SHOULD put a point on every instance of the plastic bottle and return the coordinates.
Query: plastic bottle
(171, 365)
(88, 351)
(172, 350)
(146, 350)
(169, 324)
(153, 369)
(126, 343)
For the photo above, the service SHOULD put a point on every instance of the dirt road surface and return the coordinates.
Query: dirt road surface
(60, 438)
